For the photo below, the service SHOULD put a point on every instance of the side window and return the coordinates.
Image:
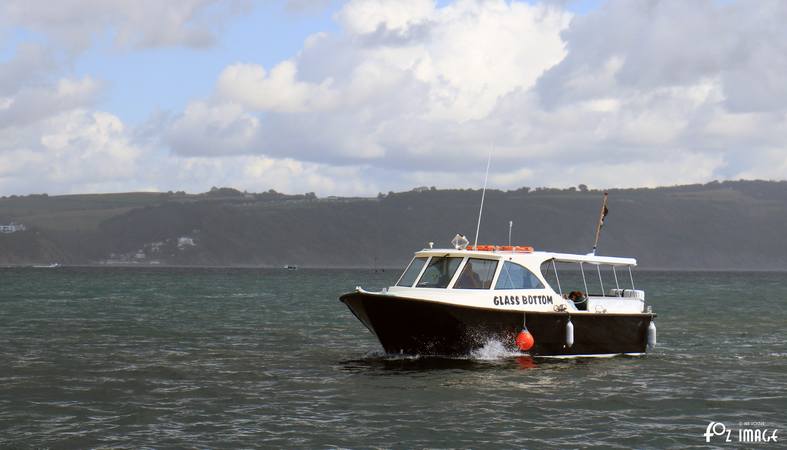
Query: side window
(514, 276)
(477, 274)
(412, 271)
(439, 272)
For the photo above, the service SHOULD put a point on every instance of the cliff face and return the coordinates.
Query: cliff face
(730, 225)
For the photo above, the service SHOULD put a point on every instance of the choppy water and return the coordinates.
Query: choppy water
(270, 358)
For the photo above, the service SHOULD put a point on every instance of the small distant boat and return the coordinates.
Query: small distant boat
(289, 267)
(47, 266)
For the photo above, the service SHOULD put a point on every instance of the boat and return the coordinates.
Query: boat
(291, 267)
(46, 266)
(453, 301)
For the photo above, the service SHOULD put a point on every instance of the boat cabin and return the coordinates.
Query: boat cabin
(520, 278)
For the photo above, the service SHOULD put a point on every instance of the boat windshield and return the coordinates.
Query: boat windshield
(477, 274)
(412, 271)
(439, 271)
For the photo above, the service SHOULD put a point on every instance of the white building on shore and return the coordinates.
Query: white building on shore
(12, 228)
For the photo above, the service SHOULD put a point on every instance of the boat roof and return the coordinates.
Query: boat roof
(539, 255)
(593, 259)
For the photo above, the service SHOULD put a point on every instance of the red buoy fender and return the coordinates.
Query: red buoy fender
(525, 340)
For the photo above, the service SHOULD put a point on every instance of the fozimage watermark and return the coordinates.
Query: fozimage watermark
(747, 432)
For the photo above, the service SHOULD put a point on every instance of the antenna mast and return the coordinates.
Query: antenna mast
(483, 194)
(510, 225)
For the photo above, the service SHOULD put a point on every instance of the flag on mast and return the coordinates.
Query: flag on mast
(602, 216)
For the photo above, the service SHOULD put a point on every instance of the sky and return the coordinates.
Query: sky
(358, 97)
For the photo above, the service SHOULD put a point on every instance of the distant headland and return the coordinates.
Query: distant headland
(730, 225)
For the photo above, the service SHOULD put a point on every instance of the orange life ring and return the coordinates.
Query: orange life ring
(523, 249)
(502, 248)
(481, 248)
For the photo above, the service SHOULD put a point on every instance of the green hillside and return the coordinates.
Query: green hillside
(729, 225)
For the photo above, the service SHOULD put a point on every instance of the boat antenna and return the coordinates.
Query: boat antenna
(483, 194)
(510, 225)
(601, 216)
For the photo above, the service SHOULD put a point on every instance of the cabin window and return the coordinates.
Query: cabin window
(477, 274)
(514, 276)
(412, 271)
(439, 272)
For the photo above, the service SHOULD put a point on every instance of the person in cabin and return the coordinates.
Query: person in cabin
(469, 278)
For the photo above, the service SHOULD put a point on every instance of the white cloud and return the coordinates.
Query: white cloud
(132, 23)
(28, 64)
(213, 129)
(631, 94)
(277, 91)
(254, 174)
(641, 89)
(368, 16)
(31, 104)
(88, 151)
(398, 83)
(638, 46)
(66, 152)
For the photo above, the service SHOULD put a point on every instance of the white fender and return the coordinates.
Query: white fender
(569, 333)
(652, 334)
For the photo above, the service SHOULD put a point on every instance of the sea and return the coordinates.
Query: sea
(101, 357)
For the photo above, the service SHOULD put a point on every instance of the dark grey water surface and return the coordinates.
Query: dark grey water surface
(99, 357)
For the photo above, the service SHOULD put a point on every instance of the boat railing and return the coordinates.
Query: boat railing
(617, 291)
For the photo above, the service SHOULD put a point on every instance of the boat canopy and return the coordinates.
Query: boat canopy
(593, 259)
(539, 256)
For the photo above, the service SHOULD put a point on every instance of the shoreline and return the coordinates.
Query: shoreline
(339, 267)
